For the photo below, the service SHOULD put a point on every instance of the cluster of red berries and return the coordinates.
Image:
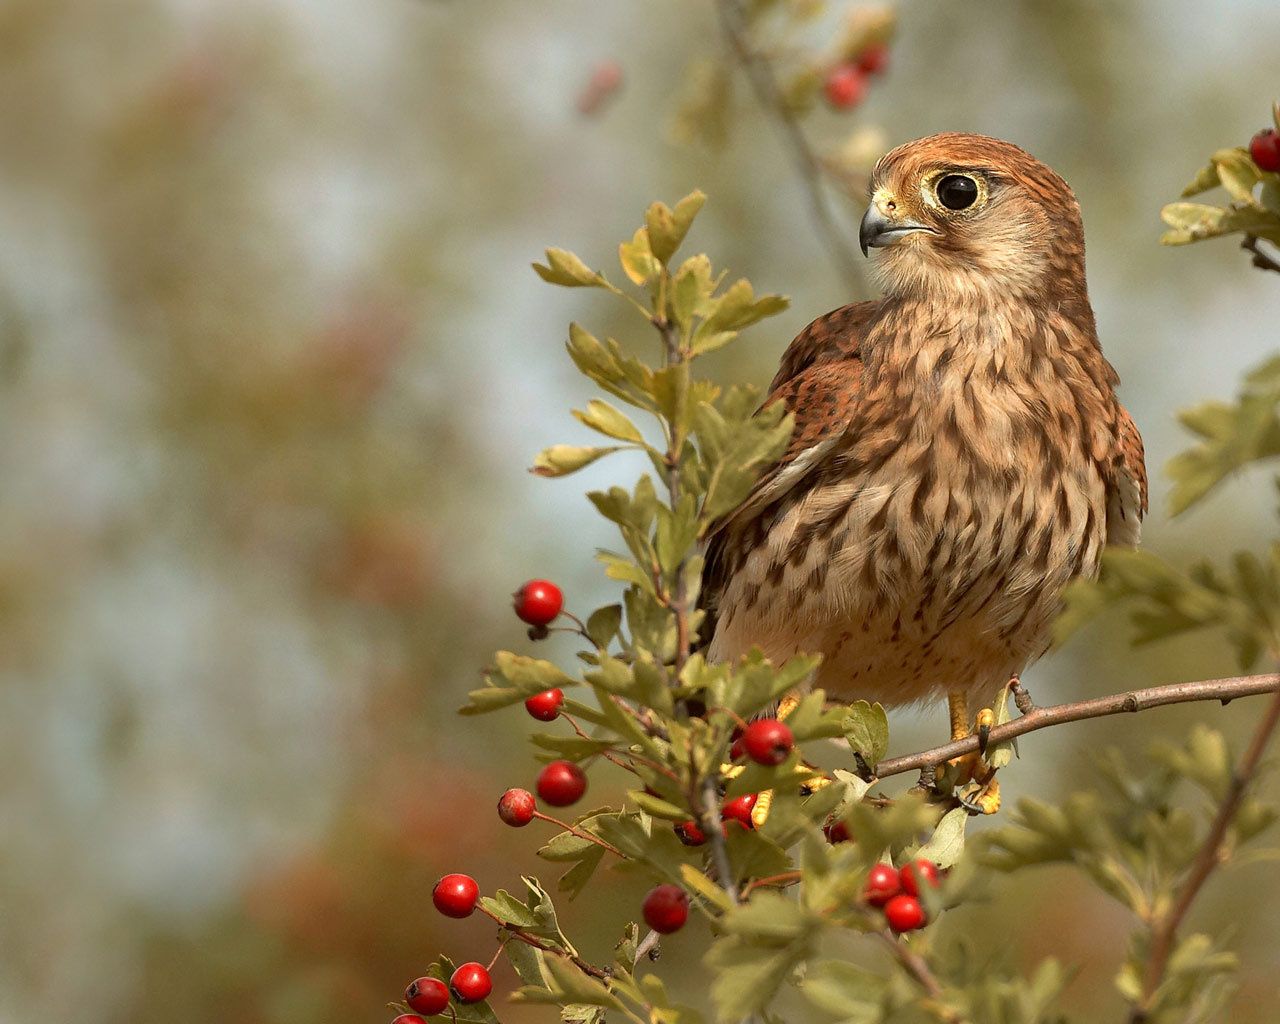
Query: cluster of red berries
(897, 892)
(847, 82)
(559, 784)
(454, 896)
(1265, 149)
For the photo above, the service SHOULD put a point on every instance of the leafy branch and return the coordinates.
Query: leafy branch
(1165, 932)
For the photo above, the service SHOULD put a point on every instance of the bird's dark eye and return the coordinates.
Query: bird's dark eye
(957, 191)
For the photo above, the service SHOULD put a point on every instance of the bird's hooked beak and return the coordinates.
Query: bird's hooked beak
(878, 229)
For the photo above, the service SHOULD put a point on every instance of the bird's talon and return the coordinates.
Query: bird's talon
(982, 727)
(981, 797)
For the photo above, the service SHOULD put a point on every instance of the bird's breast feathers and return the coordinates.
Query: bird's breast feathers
(921, 544)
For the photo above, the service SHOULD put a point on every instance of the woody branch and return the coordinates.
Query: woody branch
(1034, 718)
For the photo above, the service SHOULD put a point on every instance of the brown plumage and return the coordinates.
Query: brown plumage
(959, 454)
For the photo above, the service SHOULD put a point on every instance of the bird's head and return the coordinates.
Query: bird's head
(971, 217)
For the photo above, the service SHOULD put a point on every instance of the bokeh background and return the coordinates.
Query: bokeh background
(273, 363)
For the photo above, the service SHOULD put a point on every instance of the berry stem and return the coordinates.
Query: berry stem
(580, 833)
(532, 940)
(742, 722)
(614, 758)
(918, 969)
(781, 881)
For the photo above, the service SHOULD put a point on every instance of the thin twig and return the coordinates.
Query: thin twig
(915, 965)
(781, 881)
(714, 831)
(1056, 714)
(532, 940)
(769, 93)
(580, 833)
(1261, 259)
(1165, 932)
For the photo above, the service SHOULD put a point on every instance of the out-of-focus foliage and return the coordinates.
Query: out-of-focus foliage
(264, 349)
(1254, 194)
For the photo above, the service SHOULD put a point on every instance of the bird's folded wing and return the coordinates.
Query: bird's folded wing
(1126, 480)
(821, 383)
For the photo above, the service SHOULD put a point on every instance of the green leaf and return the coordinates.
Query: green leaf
(563, 459)
(573, 985)
(573, 881)
(574, 748)
(603, 417)
(1205, 179)
(566, 269)
(616, 373)
(947, 842)
(866, 728)
(657, 807)
(1238, 173)
(685, 212)
(748, 976)
(844, 989)
(509, 910)
(661, 227)
(704, 887)
(603, 624)
(637, 259)
(691, 290)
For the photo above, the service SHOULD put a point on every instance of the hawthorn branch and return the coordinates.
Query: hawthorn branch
(916, 966)
(1036, 718)
(1165, 932)
(1262, 260)
(515, 932)
(769, 93)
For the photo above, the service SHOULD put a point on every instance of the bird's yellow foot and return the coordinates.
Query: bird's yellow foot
(981, 797)
(981, 794)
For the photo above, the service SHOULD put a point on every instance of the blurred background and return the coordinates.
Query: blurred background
(273, 363)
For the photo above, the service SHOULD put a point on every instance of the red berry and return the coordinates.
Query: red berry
(538, 602)
(471, 983)
(1265, 149)
(874, 59)
(845, 86)
(561, 783)
(837, 832)
(455, 895)
(918, 875)
(883, 884)
(689, 833)
(428, 996)
(904, 913)
(666, 909)
(739, 809)
(408, 1018)
(768, 741)
(516, 807)
(545, 706)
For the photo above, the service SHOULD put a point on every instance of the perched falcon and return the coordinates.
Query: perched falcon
(959, 454)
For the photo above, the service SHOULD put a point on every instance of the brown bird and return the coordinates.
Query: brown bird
(959, 454)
